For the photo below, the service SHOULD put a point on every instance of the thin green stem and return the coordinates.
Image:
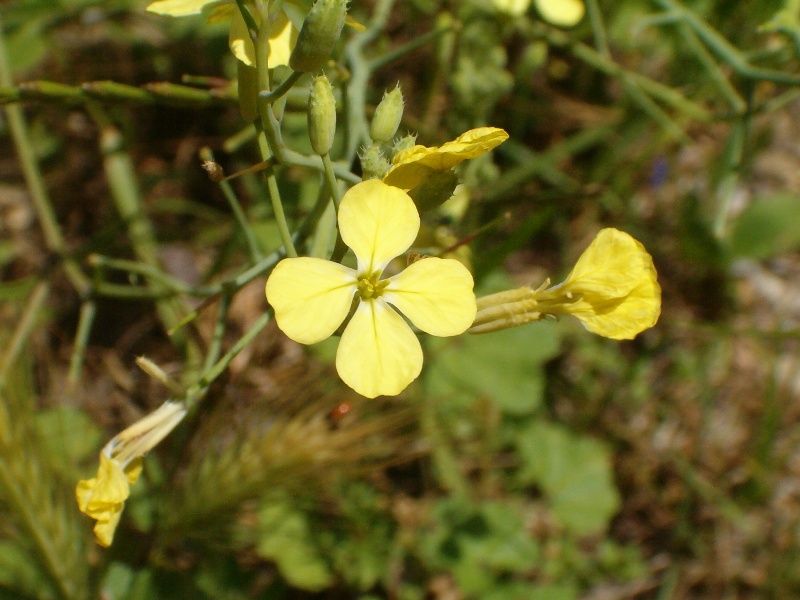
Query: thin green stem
(598, 28)
(33, 178)
(215, 347)
(238, 211)
(153, 273)
(283, 88)
(331, 182)
(400, 51)
(13, 347)
(85, 322)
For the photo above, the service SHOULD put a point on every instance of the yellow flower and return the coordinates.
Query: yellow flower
(612, 290)
(564, 13)
(282, 32)
(103, 497)
(615, 286)
(378, 353)
(412, 166)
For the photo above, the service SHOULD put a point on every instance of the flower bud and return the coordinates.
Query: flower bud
(435, 190)
(373, 162)
(387, 116)
(404, 143)
(318, 36)
(321, 115)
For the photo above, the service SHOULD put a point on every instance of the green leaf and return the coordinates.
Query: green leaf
(69, 436)
(573, 471)
(505, 366)
(769, 226)
(286, 540)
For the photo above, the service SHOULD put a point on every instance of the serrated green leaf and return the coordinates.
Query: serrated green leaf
(573, 471)
(767, 227)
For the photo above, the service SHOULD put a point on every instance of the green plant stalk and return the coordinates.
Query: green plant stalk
(238, 212)
(215, 347)
(172, 284)
(400, 51)
(707, 61)
(598, 28)
(728, 182)
(657, 90)
(355, 113)
(724, 49)
(33, 178)
(125, 192)
(654, 111)
(22, 332)
(270, 129)
(87, 316)
(282, 89)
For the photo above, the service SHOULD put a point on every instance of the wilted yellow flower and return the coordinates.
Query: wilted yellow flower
(378, 353)
(414, 165)
(612, 290)
(564, 13)
(103, 497)
(282, 32)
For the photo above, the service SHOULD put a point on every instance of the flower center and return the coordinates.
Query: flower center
(370, 287)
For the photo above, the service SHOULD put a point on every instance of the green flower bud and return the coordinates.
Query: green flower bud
(373, 162)
(321, 28)
(435, 190)
(321, 115)
(387, 116)
(404, 143)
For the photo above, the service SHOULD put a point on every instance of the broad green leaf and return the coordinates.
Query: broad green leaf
(767, 227)
(286, 540)
(505, 366)
(574, 472)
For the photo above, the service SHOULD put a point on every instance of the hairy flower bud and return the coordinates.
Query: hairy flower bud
(321, 28)
(373, 162)
(387, 116)
(321, 115)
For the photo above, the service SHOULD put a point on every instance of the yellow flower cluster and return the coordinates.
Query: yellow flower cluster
(103, 497)
(612, 290)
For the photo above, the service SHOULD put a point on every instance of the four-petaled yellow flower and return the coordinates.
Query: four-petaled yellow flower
(282, 31)
(412, 166)
(378, 354)
(103, 497)
(612, 290)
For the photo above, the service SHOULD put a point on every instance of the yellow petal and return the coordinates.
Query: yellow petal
(435, 294)
(282, 37)
(413, 165)
(616, 278)
(515, 8)
(564, 13)
(311, 297)
(378, 355)
(104, 530)
(178, 8)
(378, 222)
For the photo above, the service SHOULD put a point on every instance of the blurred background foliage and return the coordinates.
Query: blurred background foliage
(539, 463)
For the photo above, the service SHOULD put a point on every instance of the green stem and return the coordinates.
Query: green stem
(238, 211)
(598, 27)
(215, 346)
(399, 52)
(88, 313)
(22, 332)
(33, 178)
(284, 87)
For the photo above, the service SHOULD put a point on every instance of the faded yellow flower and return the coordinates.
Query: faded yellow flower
(103, 497)
(414, 165)
(564, 13)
